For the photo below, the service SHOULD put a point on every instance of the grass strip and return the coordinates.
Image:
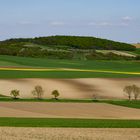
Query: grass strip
(61, 74)
(69, 123)
(9, 99)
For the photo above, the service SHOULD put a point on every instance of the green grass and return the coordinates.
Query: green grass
(61, 74)
(137, 51)
(71, 123)
(9, 99)
(129, 66)
(122, 66)
(6, 63)
(126, 103)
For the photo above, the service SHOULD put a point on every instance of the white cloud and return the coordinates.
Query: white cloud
(57, 23)
(127, 18)
(25, 23)
(100, 24)
(106, 24)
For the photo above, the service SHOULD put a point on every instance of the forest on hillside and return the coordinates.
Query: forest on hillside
(77, 42)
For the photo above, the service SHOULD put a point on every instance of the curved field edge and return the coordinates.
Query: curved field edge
(69, 123)
(125, 103)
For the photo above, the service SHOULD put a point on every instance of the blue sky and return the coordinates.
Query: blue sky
(112, 19)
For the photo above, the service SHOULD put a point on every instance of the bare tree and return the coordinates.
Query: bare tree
(136, 92)
(14, 93)
(128, 91)
(38, 92)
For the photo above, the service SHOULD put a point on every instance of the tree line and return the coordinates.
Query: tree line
(131, 92)
(37, 93)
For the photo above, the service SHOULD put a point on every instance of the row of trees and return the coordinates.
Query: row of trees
(37, 92)
(131, 92)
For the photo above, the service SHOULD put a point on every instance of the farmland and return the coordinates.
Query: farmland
(67, 110)
(81, 88)
(66, 68)
(69, 70)
(7, 133)
(69, 123)
(78, 74)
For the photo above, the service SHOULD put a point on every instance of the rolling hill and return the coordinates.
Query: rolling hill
(77, 42)
(69, 47)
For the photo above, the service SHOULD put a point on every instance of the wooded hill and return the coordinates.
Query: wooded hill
(77, 42)
(65, 47)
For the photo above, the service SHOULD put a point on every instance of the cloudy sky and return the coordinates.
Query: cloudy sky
(112, 19)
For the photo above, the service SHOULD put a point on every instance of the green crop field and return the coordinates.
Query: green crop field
(126, 103)
(71, 123)
(79, 64)
(98, 66)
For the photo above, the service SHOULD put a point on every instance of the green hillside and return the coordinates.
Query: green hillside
(67, 57)
(78, 42)
(68, 47)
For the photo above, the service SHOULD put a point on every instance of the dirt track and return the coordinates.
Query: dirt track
(70, 88)
(67, 110)
(68, 134)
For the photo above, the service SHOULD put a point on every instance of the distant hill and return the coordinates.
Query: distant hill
(76, 42)
(68, 47)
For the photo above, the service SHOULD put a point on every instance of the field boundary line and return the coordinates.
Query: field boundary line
(67, 69)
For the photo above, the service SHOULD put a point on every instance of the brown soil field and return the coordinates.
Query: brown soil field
(137, 45)
(68, 134)
(67, 110)
(104, 88)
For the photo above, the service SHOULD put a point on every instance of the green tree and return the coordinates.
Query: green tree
(56, 94)
(38, 92)
(14, 93)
